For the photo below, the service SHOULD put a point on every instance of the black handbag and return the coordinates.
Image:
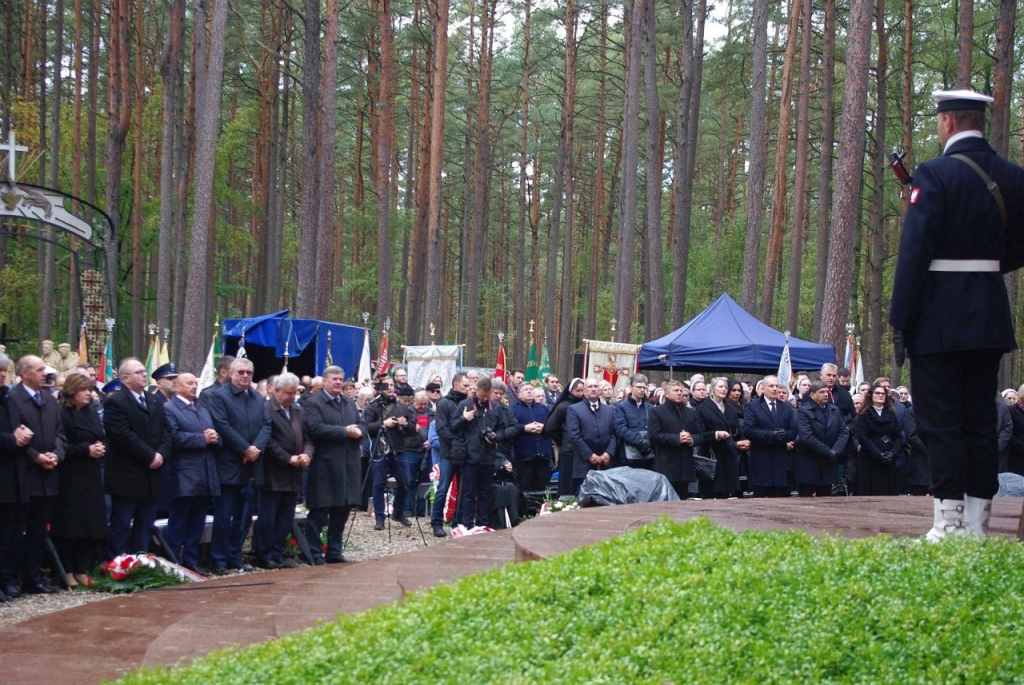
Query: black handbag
(706, 467)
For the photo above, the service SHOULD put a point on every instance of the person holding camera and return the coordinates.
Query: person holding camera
(881, 439)
(478, 425)
(389, 422)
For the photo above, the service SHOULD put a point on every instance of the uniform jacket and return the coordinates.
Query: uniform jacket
(135, 435)
(952, 215)
(241, 419)
(671, 459)
(591, 433)
(48, 427)
(192, 465)
(288, 436)
(335, 472)
(769, 458)
(822, 431)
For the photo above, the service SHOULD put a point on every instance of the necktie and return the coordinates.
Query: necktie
(192, 406)
(142, 402)
(287, 414)
(593, 407)
(772, 405)
(38, 398)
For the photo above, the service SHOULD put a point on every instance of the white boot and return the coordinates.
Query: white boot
(949, 519)
(977, 513)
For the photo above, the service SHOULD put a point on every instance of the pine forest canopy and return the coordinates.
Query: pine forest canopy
(478, 165)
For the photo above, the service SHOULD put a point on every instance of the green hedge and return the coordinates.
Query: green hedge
(679, 603)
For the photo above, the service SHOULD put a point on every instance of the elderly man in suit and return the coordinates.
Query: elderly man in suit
(591, 427)
(770, 425)
(138, 440)
(33, 407)
(14, 437)
(335, 472)
(279, 471)
(241, 419)
(823, 438)
(192, 469)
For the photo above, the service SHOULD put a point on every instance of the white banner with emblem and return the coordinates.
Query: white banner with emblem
(614, 362)
(423, 362)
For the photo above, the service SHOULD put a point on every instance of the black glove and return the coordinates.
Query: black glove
(899, 347)
(832, 455)
(780, 435)
(887, 457)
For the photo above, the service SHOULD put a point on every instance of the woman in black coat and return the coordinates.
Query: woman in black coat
(735, 397)
(80, 517)
(554, 429)
(721, 438)
(668, 426)
(879, 434)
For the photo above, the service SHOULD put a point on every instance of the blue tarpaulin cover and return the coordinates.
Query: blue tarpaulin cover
(724, 336)
(274, 330)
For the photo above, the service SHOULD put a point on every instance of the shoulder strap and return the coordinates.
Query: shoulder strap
(989, 183)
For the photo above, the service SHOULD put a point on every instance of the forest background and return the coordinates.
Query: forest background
(480, 165)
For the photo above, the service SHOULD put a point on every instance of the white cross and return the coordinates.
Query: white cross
(12, 149)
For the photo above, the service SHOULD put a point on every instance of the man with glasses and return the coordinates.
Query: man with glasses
(433, 395)
(240, 417)
(631, 426)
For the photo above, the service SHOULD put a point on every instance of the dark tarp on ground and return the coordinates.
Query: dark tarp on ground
(625, 485)
(724, 336)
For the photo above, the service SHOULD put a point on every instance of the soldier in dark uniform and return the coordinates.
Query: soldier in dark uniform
(950, 312)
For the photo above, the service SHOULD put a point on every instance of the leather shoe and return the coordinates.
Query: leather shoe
(337, 560)
(379, 525)
(439, 532)
(40, 588)
(12, 591)
(318, 561)
(402, 520)
(269, 565)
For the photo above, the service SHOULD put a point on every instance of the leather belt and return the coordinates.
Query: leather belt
(968, 265)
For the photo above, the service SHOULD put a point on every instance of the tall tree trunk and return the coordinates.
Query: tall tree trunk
(439, 20)
(595, 249)
(908, 91)
(652, 179)
(76, 153)
(963, 64)
(49, 273)
(876, 263)
(521, 345)
(848, 175)
(119, 113)
(757, 161)
(328, 125)
(93, 79)
(210, 71)
(565, 337)
(803, 115)
(170, 68)
(309, 220)
(625, 257)
(138, 272)
(773, 258)
(828, 70)
(385, 110)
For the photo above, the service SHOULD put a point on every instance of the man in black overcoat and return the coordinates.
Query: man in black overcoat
(591, 427)
(138, 439)
(672, 430)
(769, 424)
(15, 436)
(823, 437)
(950, 311)
(335, 472)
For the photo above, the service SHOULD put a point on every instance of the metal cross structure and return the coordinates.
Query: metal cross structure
(12, 149)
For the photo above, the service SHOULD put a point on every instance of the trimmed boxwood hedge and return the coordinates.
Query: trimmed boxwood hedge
(673, 602)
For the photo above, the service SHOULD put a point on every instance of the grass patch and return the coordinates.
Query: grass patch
(679, 603)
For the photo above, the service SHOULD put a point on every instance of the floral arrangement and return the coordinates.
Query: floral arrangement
(132, 572)
(550, 506)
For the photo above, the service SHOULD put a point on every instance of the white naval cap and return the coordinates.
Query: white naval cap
(949, 100)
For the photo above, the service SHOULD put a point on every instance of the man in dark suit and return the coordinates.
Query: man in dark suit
(14, 437)
(673, 431)
(950, 312)
(769, 424)
(591, 427)
(241, 419)
(335, 472)
(223, 379)
(192, 470)
(34, 406)
(823, 437)
(279, 472)
(138, 440)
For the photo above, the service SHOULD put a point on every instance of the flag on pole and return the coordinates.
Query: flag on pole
(545, 362)
(365, 373)
(785, 372)
(848, 357)
(209, 374)
(83, 348)
(153, 358)
(241, 353)
(165, 356)
(532, 370)
(499, 366)
(858, 372)
(382, 358)
(105, 369)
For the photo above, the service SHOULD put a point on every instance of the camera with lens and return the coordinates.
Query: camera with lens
(490, 436)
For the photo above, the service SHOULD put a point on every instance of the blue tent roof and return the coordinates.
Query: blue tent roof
(275, 330)
(724, 336)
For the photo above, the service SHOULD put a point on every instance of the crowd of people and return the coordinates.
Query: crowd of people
(96, 466)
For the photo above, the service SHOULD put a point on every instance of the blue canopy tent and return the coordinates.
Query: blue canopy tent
(724, 336)
(306, 339)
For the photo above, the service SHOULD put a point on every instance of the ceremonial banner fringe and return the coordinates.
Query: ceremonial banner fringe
(425, 361)
(612, 361)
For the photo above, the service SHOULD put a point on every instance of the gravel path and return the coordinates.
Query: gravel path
(363, 544)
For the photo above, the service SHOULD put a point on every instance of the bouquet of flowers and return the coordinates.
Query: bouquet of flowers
(550, 506)
(132, 572)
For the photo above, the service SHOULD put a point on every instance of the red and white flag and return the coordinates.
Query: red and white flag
(499, 366)
(382, 358)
